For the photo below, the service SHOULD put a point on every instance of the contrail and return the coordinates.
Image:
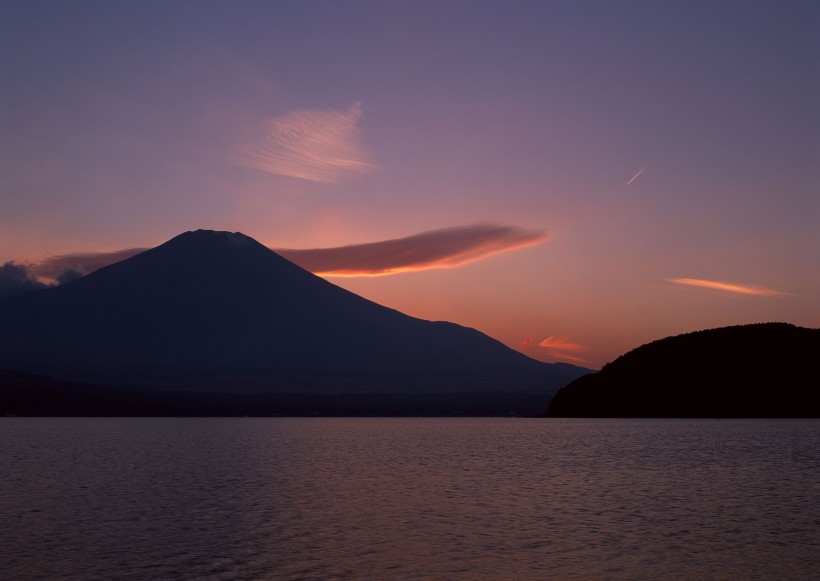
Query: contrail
(633, 178)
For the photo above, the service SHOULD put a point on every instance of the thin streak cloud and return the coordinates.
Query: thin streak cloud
(729, 287)
(446, 248)
(309, 144)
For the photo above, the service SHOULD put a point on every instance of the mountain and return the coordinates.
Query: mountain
(218, 312)
(759, 370)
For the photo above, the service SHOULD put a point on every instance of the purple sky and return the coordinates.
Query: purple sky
(335, 124)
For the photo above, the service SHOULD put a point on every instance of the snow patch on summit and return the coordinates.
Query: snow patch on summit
(238, 239)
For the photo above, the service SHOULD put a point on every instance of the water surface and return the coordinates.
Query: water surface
(346, 498)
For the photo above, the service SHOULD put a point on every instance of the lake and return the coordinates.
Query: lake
(433, 498)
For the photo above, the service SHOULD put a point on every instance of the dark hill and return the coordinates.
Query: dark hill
(761, 370)
(218, 311)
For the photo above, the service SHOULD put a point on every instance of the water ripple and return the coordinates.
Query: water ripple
(409, 499)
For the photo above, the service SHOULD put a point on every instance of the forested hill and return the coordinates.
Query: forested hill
(758, 370)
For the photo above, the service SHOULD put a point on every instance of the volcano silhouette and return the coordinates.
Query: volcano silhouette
(218, 311)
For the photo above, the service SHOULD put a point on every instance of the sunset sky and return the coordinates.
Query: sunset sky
(573, 178)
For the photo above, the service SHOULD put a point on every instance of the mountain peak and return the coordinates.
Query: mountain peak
(219, 308)
(236, 238)
(201, 236)
(202, 255)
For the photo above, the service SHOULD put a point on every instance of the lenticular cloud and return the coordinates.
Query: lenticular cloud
(445, 248)
(309, 144)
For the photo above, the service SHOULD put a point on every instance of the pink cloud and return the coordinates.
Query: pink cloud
(565, 349)
(82, 262)
(309, 144)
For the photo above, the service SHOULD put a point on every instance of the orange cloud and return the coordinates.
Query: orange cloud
(314, 145)
(561, 344)
(728, 287)
(565, 349)
(446, 248)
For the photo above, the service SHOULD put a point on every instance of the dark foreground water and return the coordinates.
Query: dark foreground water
(409, 499)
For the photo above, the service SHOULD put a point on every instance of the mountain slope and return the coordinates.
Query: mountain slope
(760, 370)
(219, 310)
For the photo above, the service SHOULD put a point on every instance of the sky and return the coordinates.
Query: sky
(574, 178)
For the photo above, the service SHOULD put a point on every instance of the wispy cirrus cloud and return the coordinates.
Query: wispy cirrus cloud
(565, 349)
(729, 287)
(309, 144)
(445, 248)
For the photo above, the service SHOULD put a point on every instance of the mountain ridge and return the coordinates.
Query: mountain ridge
(218, 309)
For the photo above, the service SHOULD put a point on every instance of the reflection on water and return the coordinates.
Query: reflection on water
(292, 498)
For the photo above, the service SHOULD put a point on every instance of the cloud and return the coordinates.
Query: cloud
(729, 287)
(62, 266)
(446, 248)
(68, 275)
(564, 348)
(15, 279)
(314, 145)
